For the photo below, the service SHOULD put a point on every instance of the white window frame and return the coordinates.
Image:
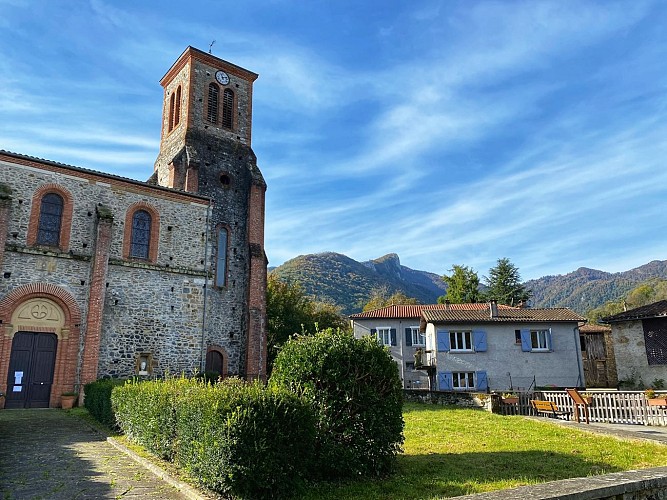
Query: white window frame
(539, 340)
(380, 334)
(460, 341)
(418, 338)
(461, 381)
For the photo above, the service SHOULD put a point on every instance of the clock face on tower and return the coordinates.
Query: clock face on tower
(222, 77)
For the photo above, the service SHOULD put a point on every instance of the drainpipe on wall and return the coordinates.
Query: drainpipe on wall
(202, 359)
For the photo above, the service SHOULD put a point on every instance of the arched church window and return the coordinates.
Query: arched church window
(212, 111)
(174, 109)
(50, 219)
(227, 107)
(141, 235)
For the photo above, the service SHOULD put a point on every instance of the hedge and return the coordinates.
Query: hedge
(356, 394)
(235, 438)
(98, 400)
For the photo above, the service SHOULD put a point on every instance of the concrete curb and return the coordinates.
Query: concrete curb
(184, 488)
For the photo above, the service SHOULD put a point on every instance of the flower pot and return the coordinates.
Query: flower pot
(588, 399)
(511, 401)
(657, 402)
(67, 402)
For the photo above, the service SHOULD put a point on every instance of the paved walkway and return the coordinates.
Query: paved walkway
(50, 454)
(625, 431)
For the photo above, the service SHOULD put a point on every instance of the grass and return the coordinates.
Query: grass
(450, 451)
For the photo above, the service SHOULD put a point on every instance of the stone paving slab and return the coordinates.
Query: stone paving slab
(48, 454)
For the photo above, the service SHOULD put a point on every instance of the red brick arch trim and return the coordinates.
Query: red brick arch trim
(155, 230)
(66, 223)
(64, 374)
(44, 290)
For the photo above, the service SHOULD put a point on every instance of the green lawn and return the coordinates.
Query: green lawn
(451, 451)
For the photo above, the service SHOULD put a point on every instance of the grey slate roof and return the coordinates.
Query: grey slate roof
(655, 310)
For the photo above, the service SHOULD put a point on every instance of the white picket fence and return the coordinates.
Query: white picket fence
(614, 407)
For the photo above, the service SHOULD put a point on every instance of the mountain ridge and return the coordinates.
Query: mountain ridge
(337, 278)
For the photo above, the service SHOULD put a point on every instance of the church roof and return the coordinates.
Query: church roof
(57, 167)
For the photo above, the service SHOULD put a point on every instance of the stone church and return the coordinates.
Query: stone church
(104, 276)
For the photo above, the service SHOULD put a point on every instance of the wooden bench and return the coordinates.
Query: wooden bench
(548, 407)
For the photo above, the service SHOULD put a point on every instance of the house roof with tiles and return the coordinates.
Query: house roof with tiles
(655, 310)
(415, 311)
(509, 315)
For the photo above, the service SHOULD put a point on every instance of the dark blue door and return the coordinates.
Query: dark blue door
(31, 366)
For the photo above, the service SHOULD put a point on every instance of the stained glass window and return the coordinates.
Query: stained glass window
(50, 220)
(141, 234)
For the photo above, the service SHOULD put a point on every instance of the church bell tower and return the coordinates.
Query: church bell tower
(205, 148)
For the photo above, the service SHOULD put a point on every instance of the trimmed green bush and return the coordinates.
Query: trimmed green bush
(355, 391)
(146, 412)
(245, 440)
(98, 400)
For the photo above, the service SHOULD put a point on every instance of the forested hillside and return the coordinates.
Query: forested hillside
(586, 289)
(333, 277)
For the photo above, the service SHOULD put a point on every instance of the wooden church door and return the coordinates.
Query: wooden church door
(31, 365)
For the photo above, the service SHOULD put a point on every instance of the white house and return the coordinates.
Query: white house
(398, 328)
(499, 349)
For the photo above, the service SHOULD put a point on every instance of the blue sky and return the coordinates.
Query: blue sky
(449, 132)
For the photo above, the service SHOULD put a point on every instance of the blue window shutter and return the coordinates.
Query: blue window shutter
(526, 345)
(443, 341)
(392, 334)
(445, 381)
(408, 336)
(550, 344)
(479, 340)
(482, 381)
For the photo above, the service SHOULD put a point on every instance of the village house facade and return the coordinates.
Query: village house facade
(503, 349)
(398, 328)
(104, 276)
(478, 347)
(640, 344)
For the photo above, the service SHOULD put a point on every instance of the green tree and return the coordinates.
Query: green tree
(504, 284)
(289, 310)
(380, 298)
(462, 286)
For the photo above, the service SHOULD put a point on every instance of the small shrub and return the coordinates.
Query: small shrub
(355, 391)
(245, 440)
(98, 400)
(146, 412)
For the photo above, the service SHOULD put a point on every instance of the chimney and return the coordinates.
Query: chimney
(446, 305)
(493, 308)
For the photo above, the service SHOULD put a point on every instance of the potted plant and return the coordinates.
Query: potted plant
(509, 398)
(653, 400)
(67, 400)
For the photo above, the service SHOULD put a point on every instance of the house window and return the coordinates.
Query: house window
(418, 338)
(177, 111)
(384, 336)
(212, 110)
(50, 219)
(517, 336)
(460, 341)
(539, 340)
(463, 381)
(141, 235)
(227, 108)
(221, 259)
